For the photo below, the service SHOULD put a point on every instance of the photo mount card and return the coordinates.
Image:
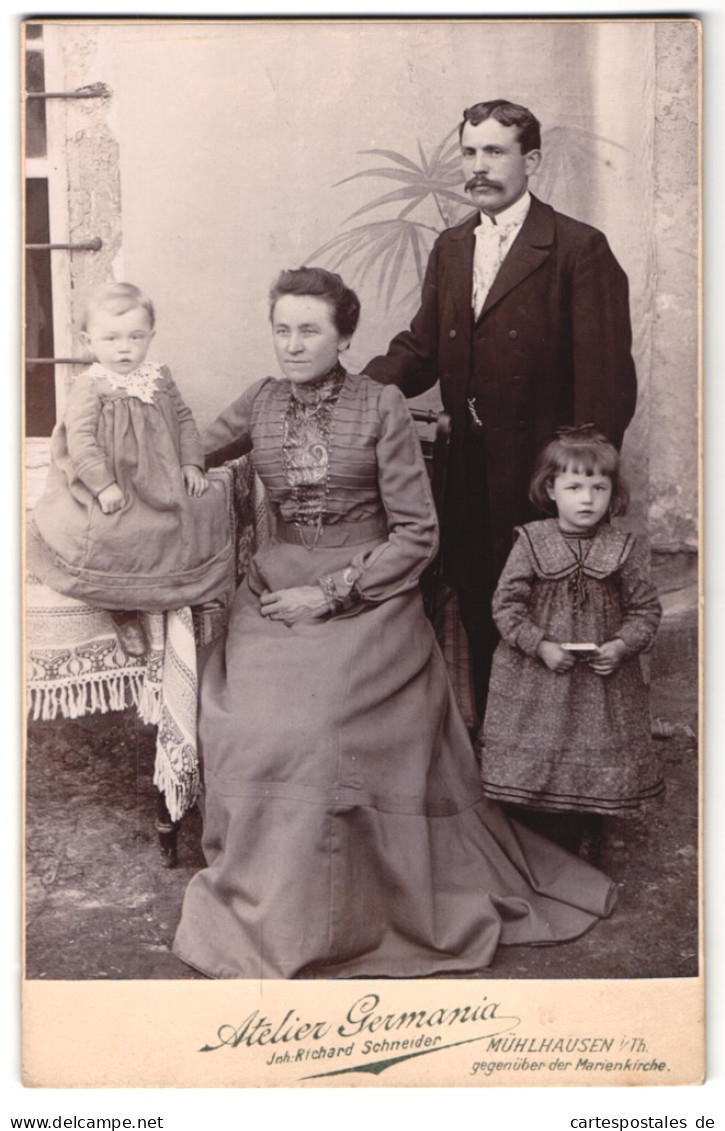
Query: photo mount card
(199, 158)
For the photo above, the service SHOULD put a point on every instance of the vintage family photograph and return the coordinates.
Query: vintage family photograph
(362, 528)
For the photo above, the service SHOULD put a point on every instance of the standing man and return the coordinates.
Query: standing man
(524, 319)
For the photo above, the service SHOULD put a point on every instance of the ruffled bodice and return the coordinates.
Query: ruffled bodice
(369, 470)
(306, 444)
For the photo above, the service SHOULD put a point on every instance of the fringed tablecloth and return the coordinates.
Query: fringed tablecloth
(76, 666)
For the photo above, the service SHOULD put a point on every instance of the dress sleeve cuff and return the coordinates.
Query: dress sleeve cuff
(529, 638)
(341, 588)
(191, 452)
(96, 474)
(635, 637)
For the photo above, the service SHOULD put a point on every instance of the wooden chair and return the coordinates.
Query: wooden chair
(441, 603)
(435, 454)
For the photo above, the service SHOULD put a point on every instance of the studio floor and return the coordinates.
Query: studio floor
(100, 904)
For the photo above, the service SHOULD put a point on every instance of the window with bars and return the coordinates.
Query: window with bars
(40, 405)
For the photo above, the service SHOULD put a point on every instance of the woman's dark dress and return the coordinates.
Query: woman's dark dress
(344, 827)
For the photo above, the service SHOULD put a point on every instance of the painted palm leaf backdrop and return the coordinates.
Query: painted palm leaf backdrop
(394, 250)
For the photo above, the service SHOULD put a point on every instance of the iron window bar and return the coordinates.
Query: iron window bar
(94, 244)
(94, 90)
(57, 361)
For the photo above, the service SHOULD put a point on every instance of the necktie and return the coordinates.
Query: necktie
(489, 254)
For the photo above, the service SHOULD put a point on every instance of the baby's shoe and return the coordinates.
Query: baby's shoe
(130, 633)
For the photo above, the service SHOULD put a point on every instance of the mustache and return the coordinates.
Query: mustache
(479, 182)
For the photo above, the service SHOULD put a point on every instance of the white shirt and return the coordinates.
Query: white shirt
(494, 237)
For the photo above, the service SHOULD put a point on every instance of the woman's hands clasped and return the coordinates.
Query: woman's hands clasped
(291, 606)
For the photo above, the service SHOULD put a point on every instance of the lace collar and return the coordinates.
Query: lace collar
(556, 556)
(141, 382)
(322, 388)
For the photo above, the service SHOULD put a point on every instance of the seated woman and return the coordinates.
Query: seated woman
(345, 831)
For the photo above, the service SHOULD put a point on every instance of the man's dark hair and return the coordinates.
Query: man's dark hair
(508, 114)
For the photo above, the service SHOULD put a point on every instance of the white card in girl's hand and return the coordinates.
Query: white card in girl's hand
(582, 650)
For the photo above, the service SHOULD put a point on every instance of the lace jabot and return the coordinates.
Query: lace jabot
(141, 382)
(306, 443)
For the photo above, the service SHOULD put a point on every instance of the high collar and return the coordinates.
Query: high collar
(510, 217)
(532, 245)
(322, 388)
(538, 228)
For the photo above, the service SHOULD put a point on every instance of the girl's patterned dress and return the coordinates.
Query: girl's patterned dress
(574, 740)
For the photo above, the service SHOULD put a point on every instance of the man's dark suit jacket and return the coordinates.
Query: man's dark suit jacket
(552, 346)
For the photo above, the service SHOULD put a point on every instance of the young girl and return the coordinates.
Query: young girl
(567, 724)
(128, 520)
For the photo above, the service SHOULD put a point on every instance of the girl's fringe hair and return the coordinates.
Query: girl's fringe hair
(582, 449)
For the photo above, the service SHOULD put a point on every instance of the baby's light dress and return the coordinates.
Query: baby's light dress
(163, 549)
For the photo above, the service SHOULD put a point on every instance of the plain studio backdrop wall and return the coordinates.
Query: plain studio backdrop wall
(223, 147)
